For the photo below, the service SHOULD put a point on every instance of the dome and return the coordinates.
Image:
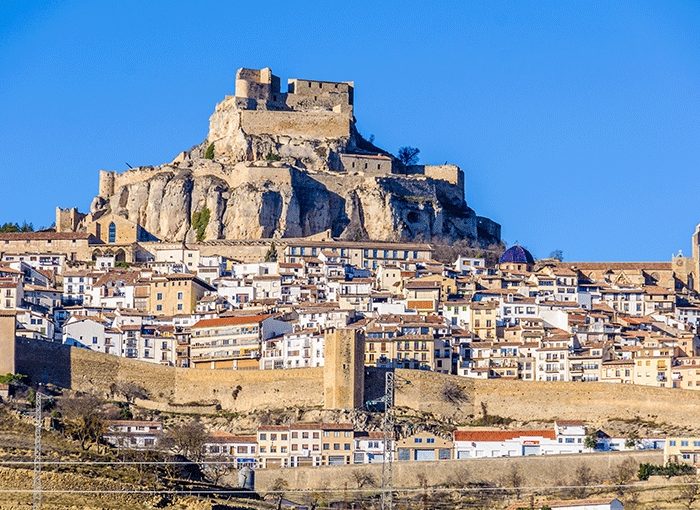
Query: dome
(516, 255)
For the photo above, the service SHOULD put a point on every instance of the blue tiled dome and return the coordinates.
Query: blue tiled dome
(516, 255)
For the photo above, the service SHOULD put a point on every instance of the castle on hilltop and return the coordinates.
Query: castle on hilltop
(283, 164)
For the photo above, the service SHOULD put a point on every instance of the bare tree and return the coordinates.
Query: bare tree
(583, 477)
(82, 418)
(515, 480)
(623, 474)
(186, 439)
(364, 478)
(689, 492)
(453, 393)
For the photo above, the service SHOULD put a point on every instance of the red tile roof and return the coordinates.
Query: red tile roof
(501, 435)
(231, 321)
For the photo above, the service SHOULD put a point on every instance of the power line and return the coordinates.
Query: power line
(36, 497)
(387, 460)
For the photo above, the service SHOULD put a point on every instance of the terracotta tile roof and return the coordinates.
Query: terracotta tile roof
(501, 435)
(43, 236)
(231, 321)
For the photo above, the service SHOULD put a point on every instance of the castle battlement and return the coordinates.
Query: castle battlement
(259, 89)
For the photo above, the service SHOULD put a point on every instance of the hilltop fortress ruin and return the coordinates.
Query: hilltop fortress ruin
(283, 164)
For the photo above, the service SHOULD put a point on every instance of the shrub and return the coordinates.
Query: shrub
(209, 153)
(200, 220)
(671, 469)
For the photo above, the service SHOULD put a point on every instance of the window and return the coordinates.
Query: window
(112, 233)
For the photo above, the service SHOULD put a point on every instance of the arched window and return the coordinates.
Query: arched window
(112, 233)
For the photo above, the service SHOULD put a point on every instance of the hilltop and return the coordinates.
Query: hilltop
(289, 164)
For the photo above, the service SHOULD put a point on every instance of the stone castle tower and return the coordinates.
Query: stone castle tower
(687, 269)
(344, 369)
(7, 342)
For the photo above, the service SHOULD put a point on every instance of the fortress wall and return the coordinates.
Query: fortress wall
(318, 124)
(596, 403)
(536, 470)
(449, 173)
(84, 370)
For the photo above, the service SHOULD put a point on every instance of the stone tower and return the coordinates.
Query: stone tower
(344, 369)
(7, 342)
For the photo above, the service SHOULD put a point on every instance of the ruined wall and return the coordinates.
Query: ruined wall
(537, 471)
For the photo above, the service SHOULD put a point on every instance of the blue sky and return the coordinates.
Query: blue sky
(577, 123)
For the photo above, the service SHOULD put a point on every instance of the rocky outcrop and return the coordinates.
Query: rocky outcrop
(282, 174)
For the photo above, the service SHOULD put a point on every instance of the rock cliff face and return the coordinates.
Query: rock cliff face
(282, 172)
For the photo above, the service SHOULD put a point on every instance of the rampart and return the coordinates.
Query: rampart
(84, 370)
(537, 471)
(597, 403)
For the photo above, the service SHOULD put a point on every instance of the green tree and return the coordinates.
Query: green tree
(271, 255)
(557, 255)
(590, 442)
(200, 220)
(408, 155)
(209, 153)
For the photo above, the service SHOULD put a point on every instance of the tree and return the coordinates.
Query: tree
(583, 477)
(408, 155)
(83, 418)
(453, 393)
(200, 220)
(591, 442)
(186, 439)
(364, 478)
(209, 153)
(557, 254)
(632, 440)
(515, 479)
(689, 492)
(129, 390)
(623, 474)
(271, 255)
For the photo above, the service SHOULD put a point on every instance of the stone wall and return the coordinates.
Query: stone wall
(532, 401)
(84, 370)
(540, 471)
(313, 125)
(596, 403)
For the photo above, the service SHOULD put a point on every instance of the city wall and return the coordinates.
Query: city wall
(539, 471)
(533, 401)
(180, 388)
(421, 391)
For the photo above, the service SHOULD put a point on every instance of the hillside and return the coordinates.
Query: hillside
(290, 164)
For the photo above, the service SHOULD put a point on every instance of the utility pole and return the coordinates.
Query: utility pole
(387, 502)
(36, 501)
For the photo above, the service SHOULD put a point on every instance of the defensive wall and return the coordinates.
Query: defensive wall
(420, 391)
(537, 471)
(84, 370)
